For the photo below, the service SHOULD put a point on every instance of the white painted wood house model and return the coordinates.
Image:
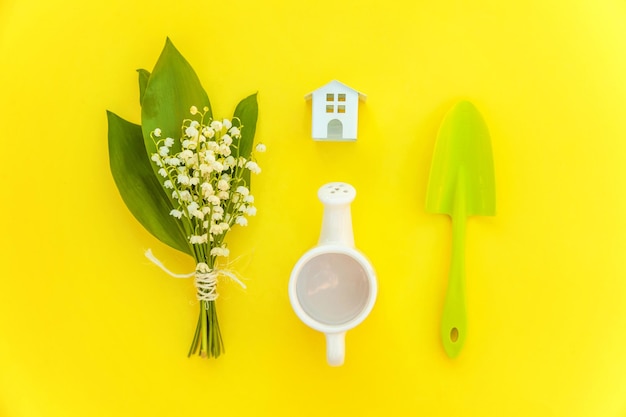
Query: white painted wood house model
(335, 110)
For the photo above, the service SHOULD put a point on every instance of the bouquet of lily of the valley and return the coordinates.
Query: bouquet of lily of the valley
(185, 175)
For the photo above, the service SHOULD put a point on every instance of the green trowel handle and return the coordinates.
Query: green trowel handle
(454, 318)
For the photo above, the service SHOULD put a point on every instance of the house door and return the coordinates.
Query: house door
(335, 129)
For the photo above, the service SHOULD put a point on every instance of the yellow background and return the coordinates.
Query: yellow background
(88, 327)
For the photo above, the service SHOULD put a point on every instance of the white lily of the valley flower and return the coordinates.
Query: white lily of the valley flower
(234, 131)
(205, 169)
(183, 179)
(212, 146)
(191, 132)
(207, 189)
(192, 207)
(243, 190)
(208, 132)
(217, 166)
(223, 185)
(224, 150)
(229, 162)
(172, 161)
(253, 167)
(220, 251)
(195, 239)
(186, 154)
(216, 125)
(183, 195)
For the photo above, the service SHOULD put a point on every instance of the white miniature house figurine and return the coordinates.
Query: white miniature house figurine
(335, 112)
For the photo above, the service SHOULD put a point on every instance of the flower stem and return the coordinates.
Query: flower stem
(207, 341)
(205, 325)
(196, 335)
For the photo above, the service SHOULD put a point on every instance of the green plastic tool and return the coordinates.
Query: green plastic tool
(461, 184)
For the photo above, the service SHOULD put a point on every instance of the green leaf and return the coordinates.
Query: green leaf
(144, 75)
(173, 87)
(139, 187)
(247, 111)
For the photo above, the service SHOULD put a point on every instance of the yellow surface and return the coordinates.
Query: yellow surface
(88, 327)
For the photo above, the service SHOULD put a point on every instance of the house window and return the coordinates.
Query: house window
(330, 103)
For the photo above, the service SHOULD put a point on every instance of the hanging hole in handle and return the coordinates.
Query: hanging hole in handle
(454, 334)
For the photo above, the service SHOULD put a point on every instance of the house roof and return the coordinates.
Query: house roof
(362, 96)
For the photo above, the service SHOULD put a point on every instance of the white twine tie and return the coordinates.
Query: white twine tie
(205, 278)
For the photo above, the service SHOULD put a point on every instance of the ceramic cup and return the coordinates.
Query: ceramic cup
(333, 286)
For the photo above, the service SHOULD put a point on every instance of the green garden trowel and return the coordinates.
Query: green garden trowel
(461, 184)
